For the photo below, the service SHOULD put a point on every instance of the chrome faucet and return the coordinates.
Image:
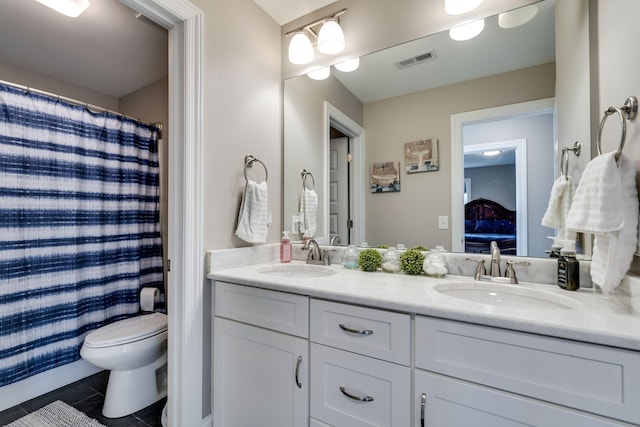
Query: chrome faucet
(335, 240)
(315, 255)
(495, 259)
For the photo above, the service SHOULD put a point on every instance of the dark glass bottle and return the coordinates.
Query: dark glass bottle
(568, 267)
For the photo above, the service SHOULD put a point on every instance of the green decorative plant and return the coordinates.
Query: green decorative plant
(420, 248)
(369, 260)
(411, 261)
(383, 246)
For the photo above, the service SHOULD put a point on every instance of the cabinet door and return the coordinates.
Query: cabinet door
(257, 379)
(446, 402)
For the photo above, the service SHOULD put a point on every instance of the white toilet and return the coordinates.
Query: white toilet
(135, 351)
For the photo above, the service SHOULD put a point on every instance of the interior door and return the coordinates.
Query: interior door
(339, 189)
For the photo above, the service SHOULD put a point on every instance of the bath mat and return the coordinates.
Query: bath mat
(56, 414)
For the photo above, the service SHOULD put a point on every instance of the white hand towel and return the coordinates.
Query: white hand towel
(252, 220)
(562, 193)
(606, 204)
(309, 209)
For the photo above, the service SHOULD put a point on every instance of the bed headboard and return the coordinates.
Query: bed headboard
(487, 209)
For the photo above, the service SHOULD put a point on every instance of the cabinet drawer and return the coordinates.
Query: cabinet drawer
(597, 379)
(274, 310)
(377, 333)
(384, 387)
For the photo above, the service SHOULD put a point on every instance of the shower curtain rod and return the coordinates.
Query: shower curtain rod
(90, 107)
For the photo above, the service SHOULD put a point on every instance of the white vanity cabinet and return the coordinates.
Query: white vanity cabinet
(360, 366)
(260, 358)
(475, 375)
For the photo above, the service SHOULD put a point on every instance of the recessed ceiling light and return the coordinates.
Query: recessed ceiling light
(491, 153)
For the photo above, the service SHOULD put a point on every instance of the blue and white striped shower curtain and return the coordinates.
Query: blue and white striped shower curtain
(79, 226)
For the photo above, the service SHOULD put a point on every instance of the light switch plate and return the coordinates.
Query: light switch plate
(443, 222)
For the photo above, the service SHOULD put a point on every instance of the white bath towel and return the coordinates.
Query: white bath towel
(562, 193)
(309, 210)
(252, 221)
(606, 204)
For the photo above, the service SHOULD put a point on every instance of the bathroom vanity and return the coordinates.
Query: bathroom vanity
(327, 346)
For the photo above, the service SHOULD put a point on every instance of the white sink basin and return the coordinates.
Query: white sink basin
(510, 296)
(297, 270)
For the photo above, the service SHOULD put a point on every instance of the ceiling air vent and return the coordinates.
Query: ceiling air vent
(417, 59)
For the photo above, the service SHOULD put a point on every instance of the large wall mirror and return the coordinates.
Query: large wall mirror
(506, 88)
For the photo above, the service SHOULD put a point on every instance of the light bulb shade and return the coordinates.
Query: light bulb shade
(458, 7)
(349, 65)
(515, 18)
(467, 31)
(320, 73)
(330, 38)
(300, 49)
(71, 8)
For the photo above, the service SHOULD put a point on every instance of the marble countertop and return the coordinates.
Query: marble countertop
(612, 320)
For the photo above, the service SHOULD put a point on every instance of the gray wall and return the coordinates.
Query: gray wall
(411, 215)
(495, 183)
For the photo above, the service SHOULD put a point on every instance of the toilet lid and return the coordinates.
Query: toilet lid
(127, 330)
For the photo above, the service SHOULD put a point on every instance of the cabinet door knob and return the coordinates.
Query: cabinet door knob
(354, 397)
(355, 331)
(423, 405)
(298, 383)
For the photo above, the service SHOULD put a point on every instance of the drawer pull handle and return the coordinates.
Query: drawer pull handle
(355, 331)
(298, 383)
(423, 404)
(354, 397)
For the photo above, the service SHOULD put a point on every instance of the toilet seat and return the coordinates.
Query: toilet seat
(127, 331)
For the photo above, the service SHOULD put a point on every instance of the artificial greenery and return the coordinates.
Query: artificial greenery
(411, 261)
(383, 246)
(420, 248)
(369, 260)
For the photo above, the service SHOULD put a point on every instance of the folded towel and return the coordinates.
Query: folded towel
(252, 220)
(557, 212)
(309, 210)
(606, 204)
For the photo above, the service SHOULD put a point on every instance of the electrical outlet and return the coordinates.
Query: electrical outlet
(443, 222)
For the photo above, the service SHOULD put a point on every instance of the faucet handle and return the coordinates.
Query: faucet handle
(510, 272)
(480, 268)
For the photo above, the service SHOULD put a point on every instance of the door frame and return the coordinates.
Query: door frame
(186, 277)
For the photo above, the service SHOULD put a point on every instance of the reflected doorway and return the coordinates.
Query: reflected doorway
(340, 222)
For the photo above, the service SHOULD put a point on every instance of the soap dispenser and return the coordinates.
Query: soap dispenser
(568, 267)
(285, 247)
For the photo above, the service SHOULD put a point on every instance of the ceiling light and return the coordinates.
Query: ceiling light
(491, 153)
(300, 49)
(71, 8)
(320, 73)
(330, 38)
(467, 31)
(348, 65)
(458, 7)
(515, 18)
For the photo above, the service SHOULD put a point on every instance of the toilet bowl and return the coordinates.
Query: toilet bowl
(135, 351)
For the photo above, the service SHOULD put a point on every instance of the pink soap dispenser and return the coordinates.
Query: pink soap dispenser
(285, 247)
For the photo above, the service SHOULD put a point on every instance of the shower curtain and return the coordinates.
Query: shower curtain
(79, 226)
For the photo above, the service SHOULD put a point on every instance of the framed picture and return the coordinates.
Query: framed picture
(385, 177)
(421, 156)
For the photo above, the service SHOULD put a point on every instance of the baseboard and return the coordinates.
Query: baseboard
(37, 385)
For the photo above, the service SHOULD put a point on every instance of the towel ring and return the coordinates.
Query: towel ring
(249, 160)
(304, 174)
(628, 111)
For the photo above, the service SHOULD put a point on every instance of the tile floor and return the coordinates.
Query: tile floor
(87, 395)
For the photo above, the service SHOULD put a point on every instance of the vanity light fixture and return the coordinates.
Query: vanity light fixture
(319, 73)
(515, 18)
(71, 8)
(458, 7)
(330, 39)
(348, 66)
(467, 31)
(300, 49)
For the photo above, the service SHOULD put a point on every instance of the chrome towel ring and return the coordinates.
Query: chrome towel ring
(304, 175)
(628, 111)
(249, 160)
